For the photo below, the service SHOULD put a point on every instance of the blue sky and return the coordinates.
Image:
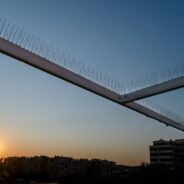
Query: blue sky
(40, 114)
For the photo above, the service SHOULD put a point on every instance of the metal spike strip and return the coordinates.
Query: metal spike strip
(33, 44)
(152, 79)
(161, 110)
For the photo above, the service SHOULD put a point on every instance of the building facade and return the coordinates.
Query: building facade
(170, 152)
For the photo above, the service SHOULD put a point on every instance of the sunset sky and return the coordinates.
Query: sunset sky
(125, 39)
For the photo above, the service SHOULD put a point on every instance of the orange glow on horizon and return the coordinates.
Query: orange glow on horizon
(13, 147)
(1, 148)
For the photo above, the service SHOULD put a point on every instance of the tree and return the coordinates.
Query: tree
(4, 175)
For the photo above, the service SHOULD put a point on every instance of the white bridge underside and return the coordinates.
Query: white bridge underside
(38, 62)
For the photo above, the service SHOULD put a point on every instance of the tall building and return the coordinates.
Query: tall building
(167, 152)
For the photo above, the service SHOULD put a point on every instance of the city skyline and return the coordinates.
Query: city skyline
(43, 115)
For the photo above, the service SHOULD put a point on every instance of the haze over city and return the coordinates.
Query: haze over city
(43, 115)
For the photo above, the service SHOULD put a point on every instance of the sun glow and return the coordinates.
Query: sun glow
(1, 148)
